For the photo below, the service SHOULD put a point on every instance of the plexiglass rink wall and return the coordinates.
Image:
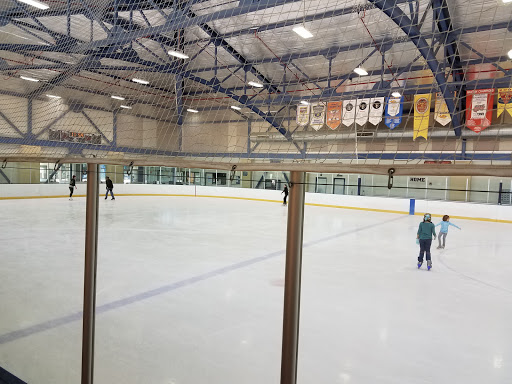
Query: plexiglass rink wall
(477, 189)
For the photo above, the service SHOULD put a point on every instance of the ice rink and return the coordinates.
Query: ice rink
(190, 291)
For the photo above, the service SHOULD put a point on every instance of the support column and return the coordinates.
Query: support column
(292, 283)
(91, 250)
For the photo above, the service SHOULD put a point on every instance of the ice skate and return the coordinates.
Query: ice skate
(429, 265)
(419, 265)
(439, 247)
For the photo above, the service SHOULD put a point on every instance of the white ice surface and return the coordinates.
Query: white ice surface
(190, 291)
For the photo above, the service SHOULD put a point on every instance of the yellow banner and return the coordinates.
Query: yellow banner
(421, 115)
(504, 100)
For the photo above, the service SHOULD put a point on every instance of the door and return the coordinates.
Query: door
(339, 186)
(321, 185)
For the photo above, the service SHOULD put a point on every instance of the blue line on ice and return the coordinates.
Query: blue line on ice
(54, 323)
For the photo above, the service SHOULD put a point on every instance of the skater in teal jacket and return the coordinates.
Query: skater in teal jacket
(443, 232)
(425, 232)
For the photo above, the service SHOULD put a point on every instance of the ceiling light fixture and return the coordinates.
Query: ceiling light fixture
(192, 110)
(396, 94)
(126, 107)
(255, 84)
(304, 102)
(178, 54)
(117, 97)
(35, 3)
(28, 78)
(507, 1)
(140, 81)
(54, 97)
(302, 32)
(235, 107)
(510, 52)
(361, 71)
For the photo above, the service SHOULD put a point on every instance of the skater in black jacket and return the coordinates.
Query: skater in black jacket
(285, 191)
(110, 187)
(72, 187)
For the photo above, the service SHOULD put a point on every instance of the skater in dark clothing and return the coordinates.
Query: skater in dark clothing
(72, 187)
(425, 232)
(285, 191)
(110, 187)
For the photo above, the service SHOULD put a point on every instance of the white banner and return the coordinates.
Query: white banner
(302, 115)
(349, 112)
(362, 110)
(317, 116)
(441, 113)
(479, 106)
(376, 110)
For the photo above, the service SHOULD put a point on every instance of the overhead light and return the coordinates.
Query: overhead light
(54, 97)
(255, 84)
(28, 78)
(396, 94)
(510, 52)
(35, 3)
(126, 107)
(302, 32)
(236, 108)
(140, 81)
(304, 102)
(360, 71)
(192, 110)
(257, 27)
(117, 97)
(178, 54)
(507, 1)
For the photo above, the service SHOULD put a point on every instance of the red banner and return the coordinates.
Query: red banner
(479, 109)
(334, 114)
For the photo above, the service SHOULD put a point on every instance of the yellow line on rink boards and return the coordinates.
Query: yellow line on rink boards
(268, 201)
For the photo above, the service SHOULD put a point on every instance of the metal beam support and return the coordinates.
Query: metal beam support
(505, 156)
(219, 41)
(11, 124)
(54, 172)
(401, 19)
(52, 123)
(485, 59)
(93, 124)
(5, 176)
(292, 279)
(91, 261)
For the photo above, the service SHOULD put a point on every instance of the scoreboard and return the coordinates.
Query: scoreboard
(74, 137)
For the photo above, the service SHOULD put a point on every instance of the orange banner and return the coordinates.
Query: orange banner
(334, 114)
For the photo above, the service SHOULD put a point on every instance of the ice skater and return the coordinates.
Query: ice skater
(72, 187)
(445, 224)
(110, 187)
(425, 232)
(285, 191)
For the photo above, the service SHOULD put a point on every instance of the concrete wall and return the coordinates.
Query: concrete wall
(400, 206)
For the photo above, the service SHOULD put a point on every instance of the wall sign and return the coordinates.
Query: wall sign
(74, 137)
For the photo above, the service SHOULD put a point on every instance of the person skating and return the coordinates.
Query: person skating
(72, 187)
(425, 232)
(110, 187)
(285, 191)
(443, 232)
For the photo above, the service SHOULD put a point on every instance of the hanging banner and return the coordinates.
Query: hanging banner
(376, 109)
(479, 109)
(504, 98)
(317, 116)
(334, 114)
(394, 109)
(421, 115)
(302, 115)
(349, 112)
(362, 110)
(441, 113)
